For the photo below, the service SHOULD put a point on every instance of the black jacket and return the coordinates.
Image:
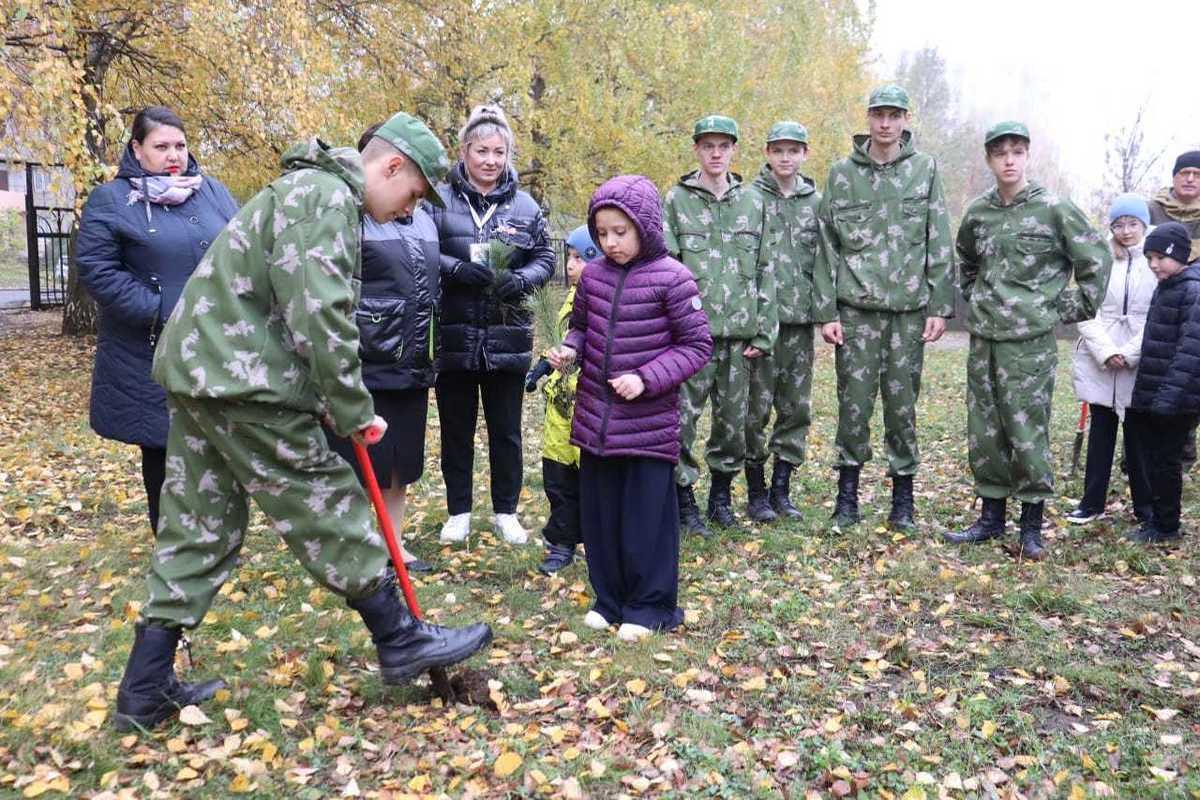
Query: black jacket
(1168, 377)
(478, 332)
(397, 314)
(134, 259)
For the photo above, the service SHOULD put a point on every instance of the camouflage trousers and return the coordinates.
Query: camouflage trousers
(726, 379)
(1009, 388)
(219, 456)
(883, 355)
(782, 380)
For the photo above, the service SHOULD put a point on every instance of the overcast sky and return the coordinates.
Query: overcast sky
(1090, 65)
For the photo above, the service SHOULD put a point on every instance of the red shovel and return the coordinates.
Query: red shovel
(437, 675)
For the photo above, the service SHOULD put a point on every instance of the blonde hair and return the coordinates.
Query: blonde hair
(484, 121)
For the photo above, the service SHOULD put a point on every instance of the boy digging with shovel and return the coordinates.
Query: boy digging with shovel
(260, 350)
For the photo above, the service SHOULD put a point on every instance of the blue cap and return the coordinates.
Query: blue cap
(1129, 205)
(581, 242)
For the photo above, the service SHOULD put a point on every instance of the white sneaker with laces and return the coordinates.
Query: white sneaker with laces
(595, 621)
(456, 528)
(628, 632)
(510, 529)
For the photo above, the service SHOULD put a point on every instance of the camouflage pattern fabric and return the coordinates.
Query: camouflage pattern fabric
(720, 241)
(790, 243)
(268, 315)
(883, 354)
(781, 380)
(726, 379)
(1017, 260)
(885, 232)
(220, 455)
(1009, 388)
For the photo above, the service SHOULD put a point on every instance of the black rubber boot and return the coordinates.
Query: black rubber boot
(903, 510)
(557, 557)
(845, 509)
(406, 646)
(758, 509)
(720, 501)
(689, 512)
(1031, 531)
(989, 525)
(1149, 533)
(781, 480)
(150, 692)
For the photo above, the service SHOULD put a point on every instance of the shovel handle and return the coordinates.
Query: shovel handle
(385, 524)
(1083, 415)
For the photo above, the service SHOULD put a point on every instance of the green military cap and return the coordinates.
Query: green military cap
(412, 137)
(1006, 128)
(715, 123)
(889, 96)
(788, 131)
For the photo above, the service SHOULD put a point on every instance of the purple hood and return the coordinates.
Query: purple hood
(643, 317)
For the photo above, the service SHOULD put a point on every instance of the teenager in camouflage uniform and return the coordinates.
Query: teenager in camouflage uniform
(713, 224)
(884, 287)
(783, 378)
(1018, 248)
(260, 349)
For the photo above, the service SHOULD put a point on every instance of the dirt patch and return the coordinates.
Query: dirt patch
(469, 687)
(22, 321)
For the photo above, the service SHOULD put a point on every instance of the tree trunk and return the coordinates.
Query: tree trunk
(79, 309)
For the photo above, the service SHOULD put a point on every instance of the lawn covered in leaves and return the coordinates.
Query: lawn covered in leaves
(869, 664)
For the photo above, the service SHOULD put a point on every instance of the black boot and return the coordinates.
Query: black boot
(406, 646)
(1031, 531)
(989, 525)
(845, 509)
(901, 517)
(720, 502)
(781, 479)
(689, 512)
(557, 557)
(757, 507)
(150, 692)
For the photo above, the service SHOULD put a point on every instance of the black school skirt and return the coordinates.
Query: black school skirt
(401, 452)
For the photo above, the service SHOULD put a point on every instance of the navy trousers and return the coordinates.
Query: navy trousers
(629, 517)
(1156, 443)
(561, 482)
(1101, 445)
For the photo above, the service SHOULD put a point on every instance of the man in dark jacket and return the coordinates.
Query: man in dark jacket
(1166, 394)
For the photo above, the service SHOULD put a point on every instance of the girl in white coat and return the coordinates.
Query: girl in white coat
(1106, 357)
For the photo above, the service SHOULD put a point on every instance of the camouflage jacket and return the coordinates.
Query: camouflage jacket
(1016, 260)
(720, 241)
(268, 315)
(791, 244)
(885, 233)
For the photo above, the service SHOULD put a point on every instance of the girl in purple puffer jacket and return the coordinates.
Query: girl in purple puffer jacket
(639, 332)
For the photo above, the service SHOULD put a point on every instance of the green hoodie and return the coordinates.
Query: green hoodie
(720, 241)
(1016, 262)
(268, 315)
(791, 244)
(885, 233)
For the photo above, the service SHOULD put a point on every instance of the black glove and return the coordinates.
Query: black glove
(468, 273)
(540, 370)
(510, 287)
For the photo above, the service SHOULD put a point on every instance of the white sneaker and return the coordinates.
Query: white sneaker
(628, 632)
(595, 621)
(456, 528)
(510, 528)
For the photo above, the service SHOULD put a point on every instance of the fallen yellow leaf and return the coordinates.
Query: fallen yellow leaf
(507, 764)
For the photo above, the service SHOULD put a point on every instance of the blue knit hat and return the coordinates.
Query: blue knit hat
(1129, 205)
(581, 242)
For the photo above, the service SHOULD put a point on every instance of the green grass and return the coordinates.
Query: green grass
(892, 664)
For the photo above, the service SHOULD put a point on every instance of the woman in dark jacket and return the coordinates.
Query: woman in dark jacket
(140, 237)
(486, 333)
(397, 316)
